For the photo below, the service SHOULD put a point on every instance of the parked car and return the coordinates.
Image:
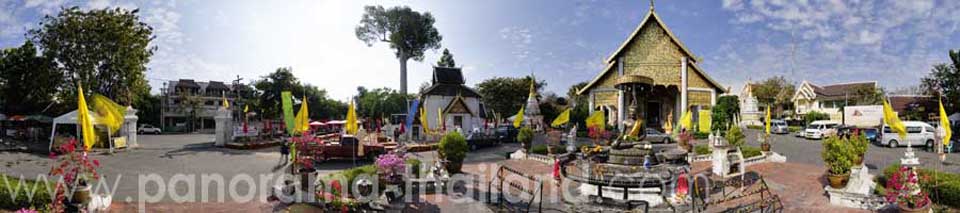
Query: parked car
(506, 134)
(918, 134)
(147, 128)
(477, 139)
(779, 127)
(873, 135)
(655, 136)
(819, 129)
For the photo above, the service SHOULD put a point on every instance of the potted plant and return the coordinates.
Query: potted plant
(453, 149)
(77, 169)
(860, 144)
(735, 136)
(903, 188)
(838, 157)
(525, 137)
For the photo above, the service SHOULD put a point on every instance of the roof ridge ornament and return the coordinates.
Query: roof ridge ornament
(651, 5)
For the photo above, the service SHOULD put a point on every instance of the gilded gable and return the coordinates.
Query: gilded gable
(653, 53)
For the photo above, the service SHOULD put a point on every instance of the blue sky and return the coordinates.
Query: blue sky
(562, 42)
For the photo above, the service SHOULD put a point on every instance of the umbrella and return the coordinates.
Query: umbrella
(317, 123)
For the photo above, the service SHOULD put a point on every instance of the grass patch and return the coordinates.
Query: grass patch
(701, 149)
(794, 128)
(750, 151)
(754, 127)
(542, 149)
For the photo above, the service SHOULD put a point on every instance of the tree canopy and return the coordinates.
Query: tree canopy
(723, 114)
(775, 92)
(381, 102)
(446, 60)
(105, 50)
(28, 81)
(320, 105)
(505, 95)
(408, 32)
(944, 80)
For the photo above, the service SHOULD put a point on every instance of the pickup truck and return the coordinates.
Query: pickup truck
(477, 140)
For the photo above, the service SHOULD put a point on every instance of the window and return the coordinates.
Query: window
(930, 129)
(913, 129)
(458, 121)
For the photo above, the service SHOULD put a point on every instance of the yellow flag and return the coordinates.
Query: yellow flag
(596, 120)
(945, 123)
(351, 126)
(246, 108)
(668, 124)
(767, 118)
(635, 131)
(423, 120)
(85, 121)
(561, 119)
(440, 123)
(891, 119)
(705, 120)
(107, 112)
(517, 120)
(303, 118)
(225, 103)
(686, 121)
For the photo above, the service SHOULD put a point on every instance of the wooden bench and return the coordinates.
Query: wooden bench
(502, 176)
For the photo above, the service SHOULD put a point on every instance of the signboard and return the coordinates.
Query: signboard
(863, 116)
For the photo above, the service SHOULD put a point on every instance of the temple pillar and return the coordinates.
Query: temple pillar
(683, 86)
(621, 110)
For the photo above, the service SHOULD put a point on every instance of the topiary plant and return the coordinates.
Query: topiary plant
(735, 136)
(453, 148)
(525, 137)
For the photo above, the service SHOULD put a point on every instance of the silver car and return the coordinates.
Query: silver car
(779, 127)
(655, 136)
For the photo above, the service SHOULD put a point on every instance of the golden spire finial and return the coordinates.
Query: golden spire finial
(651, 4)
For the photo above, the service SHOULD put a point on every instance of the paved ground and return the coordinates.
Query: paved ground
(799, 150)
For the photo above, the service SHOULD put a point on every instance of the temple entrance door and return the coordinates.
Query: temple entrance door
(652, 116)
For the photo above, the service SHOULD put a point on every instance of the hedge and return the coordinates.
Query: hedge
(8, 201)
(750, 151)
(944, 188)
(701, 149)
(542, 149)
(701, 135)
(755, 127)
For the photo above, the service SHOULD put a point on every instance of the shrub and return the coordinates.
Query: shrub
(525, 136)
(701, 149)
(735, 136)
(755, 127)
(453, 148)
(701, 135)
(815, 116)
(794, 128)
(414, 165)
(750, 151)
(539, 149)
(859, 145)
(837, 155)
(9, 201)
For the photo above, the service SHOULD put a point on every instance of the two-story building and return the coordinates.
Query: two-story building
(651, 76)
(191, 105)
(829, 99)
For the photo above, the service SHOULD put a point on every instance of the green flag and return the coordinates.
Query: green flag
(287, 100)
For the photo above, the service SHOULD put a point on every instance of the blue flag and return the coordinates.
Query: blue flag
(412, 112)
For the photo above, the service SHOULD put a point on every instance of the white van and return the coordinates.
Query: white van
(918, 134)
(816, 129)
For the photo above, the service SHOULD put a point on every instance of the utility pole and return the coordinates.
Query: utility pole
(236, 91)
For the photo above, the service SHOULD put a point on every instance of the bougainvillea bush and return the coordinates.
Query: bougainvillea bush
(75, 167)
(903, 188)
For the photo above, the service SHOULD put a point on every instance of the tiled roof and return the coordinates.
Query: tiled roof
(189, 83)
(902, 103)
(217, 85)
(447, 75)
(838, 90)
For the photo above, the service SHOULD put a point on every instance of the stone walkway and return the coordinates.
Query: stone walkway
(800, 186)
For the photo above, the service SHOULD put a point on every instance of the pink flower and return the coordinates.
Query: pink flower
(96, 162)
(25, 210)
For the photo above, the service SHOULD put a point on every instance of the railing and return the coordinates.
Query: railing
(505, 172)
(542, 158)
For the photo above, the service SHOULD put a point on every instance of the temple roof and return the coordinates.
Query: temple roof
(447, 75)
(448, 81)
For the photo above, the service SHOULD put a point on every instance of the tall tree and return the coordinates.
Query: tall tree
(29, 81)
(505, 95)
(272, 85)
(775, 92)
(381, 102)
(321, 106)
(446, 60)
(581, 108)
(723, 113)
(408, 32)
(944, 80)
(105, 50)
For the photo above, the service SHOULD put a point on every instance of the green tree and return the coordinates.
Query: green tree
(381, 102)
(321, 106)
(189, 106)
(28, 82)
(581, 103)
(148, 109)
(446, 60)
(775, 92)
(867, 95)
(408, 32)
(723, 113)
(105, 50)
(505, 95)
(272, 85)
(944, 80)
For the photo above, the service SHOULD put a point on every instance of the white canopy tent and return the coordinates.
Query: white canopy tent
(68, 118)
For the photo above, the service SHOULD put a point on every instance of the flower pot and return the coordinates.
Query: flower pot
(765, 147)
(906, 209)
(838, 181)
(81, 195)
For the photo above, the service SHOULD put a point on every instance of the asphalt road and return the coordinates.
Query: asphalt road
(801, 150)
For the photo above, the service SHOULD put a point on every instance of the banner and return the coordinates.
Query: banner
(705, 120)
(287, 103)
(412, 113)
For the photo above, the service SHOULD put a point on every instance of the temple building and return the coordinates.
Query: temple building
(460, 105)
(652, 62)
